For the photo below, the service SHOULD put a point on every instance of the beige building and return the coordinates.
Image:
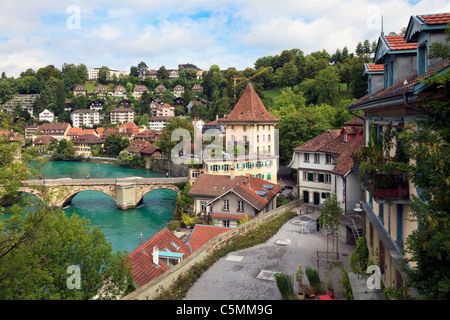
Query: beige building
(122, 115)
(386, 200)
(250, 139)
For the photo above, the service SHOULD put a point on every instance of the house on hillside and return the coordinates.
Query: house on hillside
(46, 115)
(80, 90)
(56, 130)
(83, 144)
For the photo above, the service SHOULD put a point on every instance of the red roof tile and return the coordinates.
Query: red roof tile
(442, 18)
(250, 108)
(202, 234)
(318, 142)
(399, 43)
(375, 67)
(143, 269)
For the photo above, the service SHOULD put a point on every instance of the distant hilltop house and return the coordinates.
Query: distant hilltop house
(101, 91)
(197, 89)
(93, 74)
(158, 123)
(80, 90)
(120, 91)
(96, 105)
(138, 90)
(46, 115)
(178, 91)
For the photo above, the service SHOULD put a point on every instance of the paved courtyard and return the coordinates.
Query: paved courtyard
(248, 274)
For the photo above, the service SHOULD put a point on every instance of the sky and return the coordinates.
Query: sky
(227, 33)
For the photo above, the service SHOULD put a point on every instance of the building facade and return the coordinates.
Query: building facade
(84, 117)
(388, 111)
(122, 115)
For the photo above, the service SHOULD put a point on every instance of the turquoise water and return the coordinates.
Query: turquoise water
(121, 227)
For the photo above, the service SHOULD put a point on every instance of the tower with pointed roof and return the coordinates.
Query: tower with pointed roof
(251, 141)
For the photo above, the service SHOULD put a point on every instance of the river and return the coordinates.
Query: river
(121, 227)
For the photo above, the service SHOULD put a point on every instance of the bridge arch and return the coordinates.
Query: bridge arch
(68, 200)
(142, 190)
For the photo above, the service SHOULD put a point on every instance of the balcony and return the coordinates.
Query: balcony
(387, 186)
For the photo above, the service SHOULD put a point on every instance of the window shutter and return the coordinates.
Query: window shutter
(310, 176)
(321, 177)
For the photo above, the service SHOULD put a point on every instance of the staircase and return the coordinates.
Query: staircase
(354, 223)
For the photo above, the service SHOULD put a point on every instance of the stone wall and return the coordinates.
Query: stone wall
(152, 288)
(162, 165)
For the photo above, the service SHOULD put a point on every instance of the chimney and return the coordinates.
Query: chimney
(155, 256)
(217, 117)
(232, 172)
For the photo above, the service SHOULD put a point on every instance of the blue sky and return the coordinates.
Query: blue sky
(228, 33)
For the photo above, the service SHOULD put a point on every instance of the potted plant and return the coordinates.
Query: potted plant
(299, 279)
(330, 287)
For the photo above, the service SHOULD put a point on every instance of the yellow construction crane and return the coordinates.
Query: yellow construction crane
(249, 78)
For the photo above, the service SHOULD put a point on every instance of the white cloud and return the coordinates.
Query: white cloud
(223, 32)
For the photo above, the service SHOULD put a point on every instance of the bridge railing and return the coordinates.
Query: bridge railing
(135, 180)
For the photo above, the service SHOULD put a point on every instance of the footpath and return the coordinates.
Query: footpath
(248, 274)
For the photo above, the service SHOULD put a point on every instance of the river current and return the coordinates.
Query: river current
(121, 227)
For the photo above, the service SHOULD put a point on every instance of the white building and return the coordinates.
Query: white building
(122, 115)
(84, 117)
(46, 115)
(324, 166)
(93, 74)
(158, 123)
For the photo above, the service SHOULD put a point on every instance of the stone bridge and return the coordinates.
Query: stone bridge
(127, 192)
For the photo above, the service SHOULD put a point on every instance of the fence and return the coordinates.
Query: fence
(151, 289)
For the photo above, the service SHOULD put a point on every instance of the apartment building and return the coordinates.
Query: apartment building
(122, 115)
(84, 117)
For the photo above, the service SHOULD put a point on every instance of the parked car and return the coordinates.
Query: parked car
(286, 191)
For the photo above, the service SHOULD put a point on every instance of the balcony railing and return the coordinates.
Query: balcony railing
(387, 186)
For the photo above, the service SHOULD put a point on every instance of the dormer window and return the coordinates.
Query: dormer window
(422, 59)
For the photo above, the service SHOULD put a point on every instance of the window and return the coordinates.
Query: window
(245, 128)
(310, 176)
(316, 158)
(422, 59)
(306, 157)
(226, 205)
(257, 138)
(305, 176)
(226, 167)
(328, 178)
(321, 177)
(240, 205)
(268, 149)
(214, 168)
(328, 158)
(226, 223)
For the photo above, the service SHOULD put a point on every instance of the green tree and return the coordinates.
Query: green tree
(429, 171)
(178, 213)
(65, 151)
(114, 143)
(162, 73)
(123, 158)
(330, 214)
(141, 69)
(165, 140)
(327, 85)
(103, 75)
(289, 73)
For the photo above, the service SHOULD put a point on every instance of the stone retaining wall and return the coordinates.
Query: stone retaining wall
(152, 289)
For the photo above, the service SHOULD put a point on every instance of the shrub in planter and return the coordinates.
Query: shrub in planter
(284, 284)
(314, 280)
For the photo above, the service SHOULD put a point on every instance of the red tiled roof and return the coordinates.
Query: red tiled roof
(202, 234)
(441, 18)
(375, 67)
(143, 269)
(247, 191)
(318, 142)
(205, 183)
(42, 140)
(344, 163)
(398, 88)
(399, 43)
(250, 108)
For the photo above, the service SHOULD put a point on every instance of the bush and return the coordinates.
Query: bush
(360, 256)
(284, 284)
(314, 280)
(174, 225)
